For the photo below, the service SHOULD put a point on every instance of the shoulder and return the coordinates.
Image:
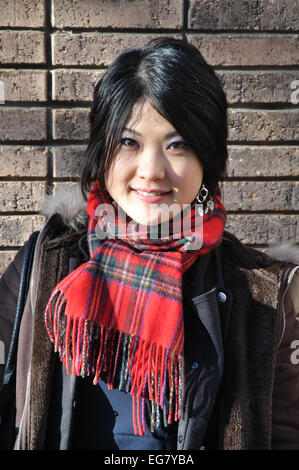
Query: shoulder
(271, 264)
(66, 216)
(276, 265)
(70, 204)
(285, 253)
(269, 279)
(58, 241)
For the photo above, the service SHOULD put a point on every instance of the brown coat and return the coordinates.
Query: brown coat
(259, 392)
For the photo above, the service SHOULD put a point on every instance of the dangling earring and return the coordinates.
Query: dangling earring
(201, 198)
(202, 194)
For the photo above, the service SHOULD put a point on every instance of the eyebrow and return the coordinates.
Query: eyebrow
(167, 136)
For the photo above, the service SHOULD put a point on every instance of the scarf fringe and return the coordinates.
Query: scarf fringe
(123, 361)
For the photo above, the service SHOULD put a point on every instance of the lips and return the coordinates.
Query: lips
(151, 192)
(150, 195)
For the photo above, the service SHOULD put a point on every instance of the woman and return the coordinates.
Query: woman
(147, 326)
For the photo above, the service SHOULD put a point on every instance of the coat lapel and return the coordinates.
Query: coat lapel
(55, 257)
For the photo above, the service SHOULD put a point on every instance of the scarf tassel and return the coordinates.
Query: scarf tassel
(123, 361)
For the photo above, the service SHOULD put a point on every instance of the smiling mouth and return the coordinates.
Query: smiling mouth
(151, 197)
(154, 194)
(150, 193)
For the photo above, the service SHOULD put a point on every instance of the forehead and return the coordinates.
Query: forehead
(144, 115)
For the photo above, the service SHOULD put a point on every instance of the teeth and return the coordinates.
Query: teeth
(149, 194)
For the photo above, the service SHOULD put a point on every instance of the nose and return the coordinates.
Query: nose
(151, 165)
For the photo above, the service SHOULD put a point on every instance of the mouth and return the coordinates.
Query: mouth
(150, 195)
(151, 192)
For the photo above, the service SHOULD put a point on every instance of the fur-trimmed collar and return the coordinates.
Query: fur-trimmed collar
(284, 251)
(69, 202)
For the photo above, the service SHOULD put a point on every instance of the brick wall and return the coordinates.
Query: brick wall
(52, 54)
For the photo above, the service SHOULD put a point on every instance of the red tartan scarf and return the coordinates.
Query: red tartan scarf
(119, 316)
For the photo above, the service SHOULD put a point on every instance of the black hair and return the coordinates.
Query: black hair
(180, 85)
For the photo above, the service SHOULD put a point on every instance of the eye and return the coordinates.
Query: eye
(129, 143)
(178, 145)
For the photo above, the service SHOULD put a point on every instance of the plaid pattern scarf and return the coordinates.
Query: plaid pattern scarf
(119, 316)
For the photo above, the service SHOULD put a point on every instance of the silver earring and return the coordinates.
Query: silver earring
(202, 197)
(202, 194)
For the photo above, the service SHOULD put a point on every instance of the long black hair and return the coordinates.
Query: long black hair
(173, 76)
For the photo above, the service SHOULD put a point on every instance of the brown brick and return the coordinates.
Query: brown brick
(264, 229)
(22, 47)
(67, 161)
(98, 49)
(71, 124)
(5, 259)
(22, 124)
(16, 229)
(24, 85)
(59, 185)
(244, 125)
(75, 85)
(21, 196)
(244, 87)
(256, 161)
(23, 161)
(260, 195)
(263, 125)
(253, 161)
(119, 14)
(263, 15)
(244, 50)
(28, 13)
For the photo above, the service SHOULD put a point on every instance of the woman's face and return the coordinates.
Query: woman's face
(154, 170)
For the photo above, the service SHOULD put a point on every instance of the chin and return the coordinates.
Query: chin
(146, 221)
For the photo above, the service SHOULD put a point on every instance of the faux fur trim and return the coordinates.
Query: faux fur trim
(68, 201)
(285, 251)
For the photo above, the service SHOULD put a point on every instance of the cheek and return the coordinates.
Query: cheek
(190, 176)
(119, 171)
